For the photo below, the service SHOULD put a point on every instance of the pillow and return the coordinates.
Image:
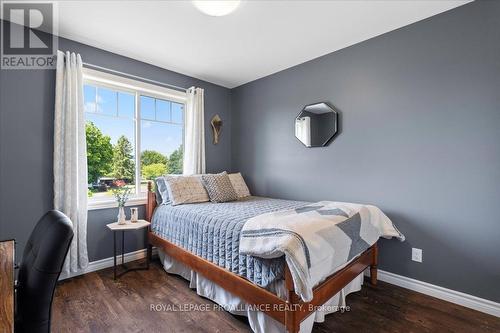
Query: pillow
(239, 185)
(185, 189)
(162, 189)
(219, 187)
(159, 188)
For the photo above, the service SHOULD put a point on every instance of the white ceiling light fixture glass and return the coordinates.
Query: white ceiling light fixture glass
(217, 8)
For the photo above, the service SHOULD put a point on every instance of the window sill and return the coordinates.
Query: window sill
(103, 204)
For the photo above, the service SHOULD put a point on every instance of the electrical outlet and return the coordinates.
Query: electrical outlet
(416, 254)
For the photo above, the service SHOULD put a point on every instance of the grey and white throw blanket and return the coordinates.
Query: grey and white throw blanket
(317, 239)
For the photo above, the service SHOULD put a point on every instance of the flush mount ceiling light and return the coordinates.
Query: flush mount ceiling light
(216, 8)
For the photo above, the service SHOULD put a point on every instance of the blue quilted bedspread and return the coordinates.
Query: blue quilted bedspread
(212, 231)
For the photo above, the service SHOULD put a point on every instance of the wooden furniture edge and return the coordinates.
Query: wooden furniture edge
(7, 264)
(150, 202)
(290, 312)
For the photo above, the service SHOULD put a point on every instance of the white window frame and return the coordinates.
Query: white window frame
(138, 89)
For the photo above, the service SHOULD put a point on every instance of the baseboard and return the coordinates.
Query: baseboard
(456, 297)
(107, 262)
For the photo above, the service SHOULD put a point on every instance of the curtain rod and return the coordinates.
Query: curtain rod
(85, 64)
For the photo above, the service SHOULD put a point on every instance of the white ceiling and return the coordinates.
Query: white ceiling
(258, 39)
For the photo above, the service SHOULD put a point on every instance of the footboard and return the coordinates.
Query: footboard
(290, 312)
(328, 288)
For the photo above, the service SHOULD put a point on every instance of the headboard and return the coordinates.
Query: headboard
(151, 202)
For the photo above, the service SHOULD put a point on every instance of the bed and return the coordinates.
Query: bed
(204, 238)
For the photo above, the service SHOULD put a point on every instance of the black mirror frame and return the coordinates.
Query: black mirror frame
(336, 130)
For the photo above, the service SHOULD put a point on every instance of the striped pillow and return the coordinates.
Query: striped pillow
(219, 187)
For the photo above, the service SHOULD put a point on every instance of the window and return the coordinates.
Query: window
(135, 132)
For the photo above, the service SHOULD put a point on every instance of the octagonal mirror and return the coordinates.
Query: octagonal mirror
(316, 125)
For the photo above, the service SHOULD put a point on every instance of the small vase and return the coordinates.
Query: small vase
(121, 215)
(134, 215)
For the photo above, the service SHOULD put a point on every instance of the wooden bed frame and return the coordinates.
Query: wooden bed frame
(290, 312)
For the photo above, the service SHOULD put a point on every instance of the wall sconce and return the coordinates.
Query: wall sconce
(216, 123)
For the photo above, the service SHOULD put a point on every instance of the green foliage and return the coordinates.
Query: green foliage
(121, 194)
(149, 157)
(123, 164)
(116, 161)
(154, 170)
(99, 152)
(175, 161)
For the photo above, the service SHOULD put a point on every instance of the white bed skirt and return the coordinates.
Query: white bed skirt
(259, 321)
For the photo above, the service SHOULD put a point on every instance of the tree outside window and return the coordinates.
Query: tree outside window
(111, 124)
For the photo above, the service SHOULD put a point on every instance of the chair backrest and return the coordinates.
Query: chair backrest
(39, 271)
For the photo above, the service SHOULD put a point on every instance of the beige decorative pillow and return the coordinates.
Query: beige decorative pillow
(219, 187)
(239, 185)
(185, 189)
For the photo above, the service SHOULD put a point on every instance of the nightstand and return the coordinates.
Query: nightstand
(129, 226)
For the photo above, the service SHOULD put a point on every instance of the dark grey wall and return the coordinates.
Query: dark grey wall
(420, 112)
(100, 240)
(26, 144)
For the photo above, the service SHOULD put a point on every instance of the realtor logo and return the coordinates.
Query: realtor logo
(28, 35)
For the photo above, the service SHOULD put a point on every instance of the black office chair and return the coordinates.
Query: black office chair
(39, 271)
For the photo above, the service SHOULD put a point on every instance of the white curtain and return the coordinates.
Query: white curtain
(303, 130)
(70, 156)
(194, 135)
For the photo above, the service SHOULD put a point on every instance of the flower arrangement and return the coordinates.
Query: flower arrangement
(121, 193)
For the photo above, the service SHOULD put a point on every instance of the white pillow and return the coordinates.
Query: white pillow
(185, 189)
(239, 185)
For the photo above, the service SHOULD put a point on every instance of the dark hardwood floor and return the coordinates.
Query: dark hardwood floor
(95, 303)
